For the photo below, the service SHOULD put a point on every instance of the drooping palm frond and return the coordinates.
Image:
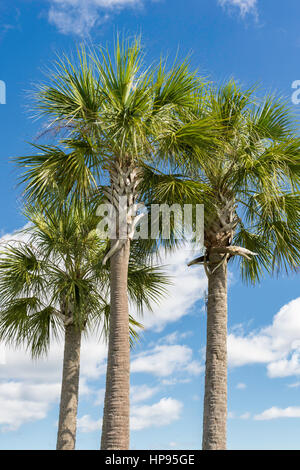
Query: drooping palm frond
(22, 271)
(71, 168)
(158, 187)
(134, 327)
(147, 285)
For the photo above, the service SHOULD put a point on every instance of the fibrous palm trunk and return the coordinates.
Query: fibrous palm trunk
(115, 428)
(215, 399)
(66, 436)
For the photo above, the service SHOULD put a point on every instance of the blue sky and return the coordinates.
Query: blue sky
(254, 41)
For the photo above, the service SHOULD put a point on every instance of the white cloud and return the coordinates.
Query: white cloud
(80, 17)
(172, 444)
(29, 388)
(36, 392)
(159, 414)
(241, 386)
(251, 349)
(20, 403)
(140, 393)
(100, 394)
(294, 385)
(20, 366)
(234, 415)
(36, 384)
(275, 413)
(189, 285)
(244, 6)
(165, 360)
(175, 337)
(162, 413)
(175, 381)
(194, 368)
(285, 367)
(87, 424)
(14, 413)
(277, 345)
(18, 235)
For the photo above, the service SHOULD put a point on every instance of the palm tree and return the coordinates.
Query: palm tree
(54, 283)
(118, 114)
(248, 183)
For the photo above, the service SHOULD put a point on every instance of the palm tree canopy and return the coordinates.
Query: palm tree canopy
(249, 179)
(234, 153)
(112, 108)
(56, 276)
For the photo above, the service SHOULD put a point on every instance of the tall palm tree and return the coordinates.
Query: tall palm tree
(248, 182)
(53, 283)
(119, 113)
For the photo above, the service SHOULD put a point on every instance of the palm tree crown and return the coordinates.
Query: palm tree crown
(248, 179)
(55, 277)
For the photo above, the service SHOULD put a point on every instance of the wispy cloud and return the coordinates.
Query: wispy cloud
(294, 385)
(25, 402)
(87, 424)
(10, 20)
(159, 414)
(80, 17)
(166, 360)
(275, 413)
(28, 389)
(246, 415)
(241, 386)
(140, 393)
(162, 413)
(243, 6)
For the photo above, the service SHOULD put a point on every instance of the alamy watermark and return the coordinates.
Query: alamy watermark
(160, 221)
(296, 93)
(2, 92)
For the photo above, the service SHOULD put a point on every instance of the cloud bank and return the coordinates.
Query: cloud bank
(277, 345)
(275, 413)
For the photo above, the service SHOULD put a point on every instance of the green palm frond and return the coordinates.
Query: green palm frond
(147, 285)
(256, 164)
(161, 188)
(42, 327)
(71, 168)
(176, 87)
(272, 119)
(22, 272)
(71, 92)
(59, 272)
(134, 326)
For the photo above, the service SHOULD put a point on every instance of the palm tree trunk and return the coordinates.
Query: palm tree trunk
(115, 428)
(66, 436)
(215, 399)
